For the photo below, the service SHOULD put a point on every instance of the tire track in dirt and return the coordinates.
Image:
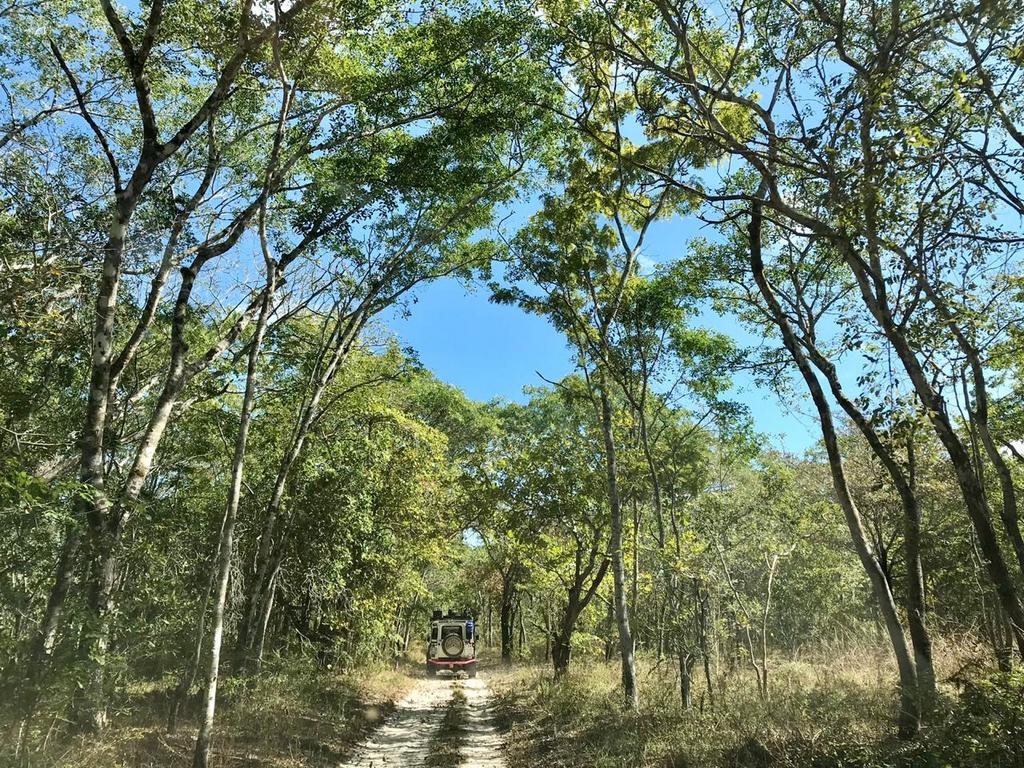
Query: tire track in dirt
(403, 741)
(483, 745)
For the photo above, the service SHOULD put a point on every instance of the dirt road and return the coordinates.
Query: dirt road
(403, 741)
(482, 748)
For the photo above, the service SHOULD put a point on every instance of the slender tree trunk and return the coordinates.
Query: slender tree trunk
(1003, 643)
(1008, 510)
(703, 627)
(46, 635)
(904, 482)
(610, 632)
(201, 758)
(652, 471)
(191, 670)
(522, 630)
(626, 646)
(490, 623)
(979, 413)
(971, 488)
(634, 587)
(44, 638)
(686, 661)
(908, 721)
(507, 617)
(256, 597)
(916, 604)
(266, 608)
(90, 708)
(660, 629)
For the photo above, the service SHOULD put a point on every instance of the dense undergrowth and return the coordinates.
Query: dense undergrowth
(293, 715)
(818, 715)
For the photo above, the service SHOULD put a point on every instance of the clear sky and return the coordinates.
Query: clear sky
(491, 350)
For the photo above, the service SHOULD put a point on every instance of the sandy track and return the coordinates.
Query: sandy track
(403, 741)
(482, 748)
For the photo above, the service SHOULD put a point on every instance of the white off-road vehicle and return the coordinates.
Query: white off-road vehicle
(451, 644)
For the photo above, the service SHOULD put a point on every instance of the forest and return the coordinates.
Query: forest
(232, 494)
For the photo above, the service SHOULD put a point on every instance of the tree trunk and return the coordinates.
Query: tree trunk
(106, 522)
(908, 721)
(979, 413)
(652, 471)
(916, 604)
(562, 649)
(561, 653)
(191, 670)
(507, 617)
(971, 488)
(548, 630)
(577, 602)
(267, 607)
(629, 682)
(686, 661)
(660, 629)
(46, 635)
(490, 623)
(634, 587)
(522, 629)
(704, 642)
(507, 614)
(904, 482)
(90, 709)
(201, 758)
(90, 703)
(610, 630)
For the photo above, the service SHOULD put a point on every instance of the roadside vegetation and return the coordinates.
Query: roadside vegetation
(295, 715)
(827, 713)
(230, 496)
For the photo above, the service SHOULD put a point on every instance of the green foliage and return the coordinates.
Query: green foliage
(366, 148)
(821, 719)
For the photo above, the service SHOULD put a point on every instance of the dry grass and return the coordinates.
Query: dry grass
(289, 717)
(823, 711)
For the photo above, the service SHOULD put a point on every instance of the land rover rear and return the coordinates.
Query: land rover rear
(451, 643)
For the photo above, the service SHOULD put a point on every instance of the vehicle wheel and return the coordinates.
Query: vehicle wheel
(472, 673)
(431, 672)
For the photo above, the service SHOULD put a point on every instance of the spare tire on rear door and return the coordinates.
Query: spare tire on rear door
(452, 645)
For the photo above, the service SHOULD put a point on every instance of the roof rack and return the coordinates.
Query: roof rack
(437, 615)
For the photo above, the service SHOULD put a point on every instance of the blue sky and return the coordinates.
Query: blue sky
(491, 350)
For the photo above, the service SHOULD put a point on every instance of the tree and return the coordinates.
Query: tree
(844, 176)
(545, 473)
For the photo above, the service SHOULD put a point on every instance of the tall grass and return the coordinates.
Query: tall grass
(292, 715)
(827, 711)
